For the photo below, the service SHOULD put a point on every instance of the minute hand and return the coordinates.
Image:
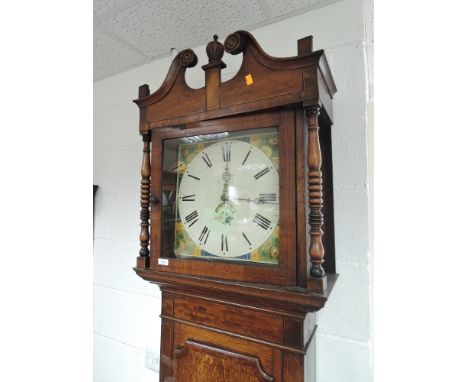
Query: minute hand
(257, 200)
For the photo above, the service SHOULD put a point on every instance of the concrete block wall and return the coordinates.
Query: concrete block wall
(126, 308)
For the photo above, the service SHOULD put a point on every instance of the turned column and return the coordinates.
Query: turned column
(143, 259)
(317, 281)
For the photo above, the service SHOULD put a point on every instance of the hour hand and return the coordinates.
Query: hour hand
(243, 199)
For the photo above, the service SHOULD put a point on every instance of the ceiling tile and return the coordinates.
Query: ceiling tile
(103, 8)
(112, 56)
(282, 8)
(153, 27)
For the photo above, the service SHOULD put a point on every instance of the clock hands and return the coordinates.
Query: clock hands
(226, 178)
(225, 198)
(260, 200)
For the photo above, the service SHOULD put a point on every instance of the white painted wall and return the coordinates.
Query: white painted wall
(126, 308)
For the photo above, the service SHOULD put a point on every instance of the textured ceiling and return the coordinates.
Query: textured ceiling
(128, 33)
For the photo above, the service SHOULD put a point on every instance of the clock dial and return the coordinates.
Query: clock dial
(228, 198)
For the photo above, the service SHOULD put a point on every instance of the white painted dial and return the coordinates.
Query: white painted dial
(228, 198)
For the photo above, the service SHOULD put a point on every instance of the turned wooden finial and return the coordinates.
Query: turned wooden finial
(214, 51)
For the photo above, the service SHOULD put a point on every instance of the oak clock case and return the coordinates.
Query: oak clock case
(224, 218)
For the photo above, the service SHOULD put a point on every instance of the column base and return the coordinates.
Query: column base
(317, 285)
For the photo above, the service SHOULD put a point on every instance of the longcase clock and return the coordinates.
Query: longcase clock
(237, 212)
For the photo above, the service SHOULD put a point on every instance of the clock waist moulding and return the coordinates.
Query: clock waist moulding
(223, 319)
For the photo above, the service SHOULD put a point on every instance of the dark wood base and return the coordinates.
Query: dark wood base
(317, 285)
(143, 262)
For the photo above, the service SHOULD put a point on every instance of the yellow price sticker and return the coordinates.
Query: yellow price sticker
(249, 79)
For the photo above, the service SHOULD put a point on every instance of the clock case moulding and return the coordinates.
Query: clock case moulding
(297, 93)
